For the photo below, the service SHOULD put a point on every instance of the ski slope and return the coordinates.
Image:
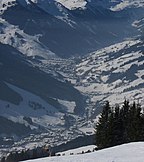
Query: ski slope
(132, 152)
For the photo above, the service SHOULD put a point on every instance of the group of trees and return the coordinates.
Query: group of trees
(118, 125)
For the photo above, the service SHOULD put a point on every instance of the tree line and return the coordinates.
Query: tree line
(118, 125)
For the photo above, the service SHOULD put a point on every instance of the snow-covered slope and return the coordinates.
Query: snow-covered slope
(131, 152)
(77, 150)
(41, 103)
(113, 73)
(26, 44)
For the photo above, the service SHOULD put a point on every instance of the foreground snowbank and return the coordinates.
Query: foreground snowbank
(132, 152)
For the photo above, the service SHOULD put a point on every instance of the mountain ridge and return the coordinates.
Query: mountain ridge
(87, 24)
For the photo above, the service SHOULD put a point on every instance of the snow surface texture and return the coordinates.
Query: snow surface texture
(132, 152)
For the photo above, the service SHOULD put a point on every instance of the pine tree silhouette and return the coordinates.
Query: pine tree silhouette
(119, 125)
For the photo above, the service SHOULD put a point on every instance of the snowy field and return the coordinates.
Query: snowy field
(132, 152)
(78, 150)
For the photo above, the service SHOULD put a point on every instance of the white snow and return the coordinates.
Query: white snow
(131, 152)
(73, 4)
(5, 4)
(67, 105)
(32, 106)
(128, 4)
(77, 150)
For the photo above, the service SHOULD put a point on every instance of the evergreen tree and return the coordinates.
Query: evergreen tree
(102, 127)
(117, 127)
(134, 124)
(139, 122)
(110, 130)
(142, 128)
(34, 156)
(124, 114)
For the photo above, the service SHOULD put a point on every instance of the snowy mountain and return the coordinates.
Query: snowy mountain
(53, 29)
(131, 152)
(49, 82)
